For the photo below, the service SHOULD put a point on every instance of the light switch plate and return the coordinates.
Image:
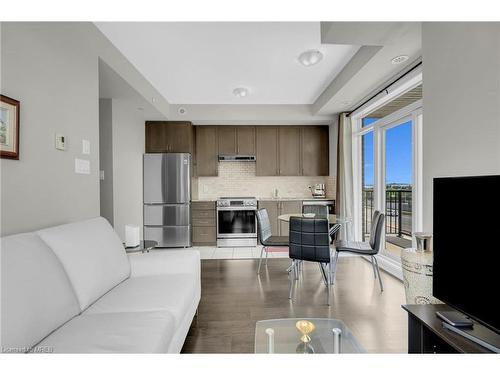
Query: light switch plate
(85, 147)
(60, 142)
(82, 166)
(101, 175)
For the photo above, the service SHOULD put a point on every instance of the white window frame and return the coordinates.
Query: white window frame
(411, 112)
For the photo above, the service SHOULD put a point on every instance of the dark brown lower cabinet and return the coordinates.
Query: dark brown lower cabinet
(203, 223)
(272, 212)
(275, 208)
(288, 207)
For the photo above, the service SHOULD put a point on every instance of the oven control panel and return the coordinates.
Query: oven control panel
(237, 202)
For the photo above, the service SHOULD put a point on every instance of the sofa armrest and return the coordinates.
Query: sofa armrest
(160, 262)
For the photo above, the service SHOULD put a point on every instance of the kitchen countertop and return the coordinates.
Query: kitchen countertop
(295, 199)
(274, 199)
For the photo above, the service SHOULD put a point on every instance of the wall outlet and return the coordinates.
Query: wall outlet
(101, 175)
(85, 147)
(82, 166)
(60, 142)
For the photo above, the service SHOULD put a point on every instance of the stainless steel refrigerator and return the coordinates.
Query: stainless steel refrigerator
(167, 199)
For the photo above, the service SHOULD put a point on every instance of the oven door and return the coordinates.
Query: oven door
(236, 222)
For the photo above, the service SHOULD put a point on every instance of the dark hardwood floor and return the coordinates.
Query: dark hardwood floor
(233, 298)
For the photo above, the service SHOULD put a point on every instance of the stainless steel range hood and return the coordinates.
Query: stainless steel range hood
(237, 158)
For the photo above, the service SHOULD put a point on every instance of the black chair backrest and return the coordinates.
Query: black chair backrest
(321, 211)
(264, 224)
(376, 230)
(309, 239)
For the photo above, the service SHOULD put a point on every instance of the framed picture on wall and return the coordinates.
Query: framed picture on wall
(9, 128)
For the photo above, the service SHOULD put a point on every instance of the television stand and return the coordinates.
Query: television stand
(426, 333)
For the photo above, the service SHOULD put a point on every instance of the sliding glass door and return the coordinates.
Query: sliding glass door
(387, 165)
(398, 186)
(367, 170)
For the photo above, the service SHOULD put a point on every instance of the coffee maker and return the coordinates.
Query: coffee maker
(318, 190)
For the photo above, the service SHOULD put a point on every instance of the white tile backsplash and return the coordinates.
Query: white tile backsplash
(239, 179)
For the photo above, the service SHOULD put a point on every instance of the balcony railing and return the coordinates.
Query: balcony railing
(398, 209)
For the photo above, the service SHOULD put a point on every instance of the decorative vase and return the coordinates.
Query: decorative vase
(417, 267)
(305, 327)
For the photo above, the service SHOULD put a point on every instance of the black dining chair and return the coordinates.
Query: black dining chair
(370, 248)
(309, 241)
(266, 239)
(321, 211)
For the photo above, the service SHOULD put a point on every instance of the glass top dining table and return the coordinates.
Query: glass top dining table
(332, 219)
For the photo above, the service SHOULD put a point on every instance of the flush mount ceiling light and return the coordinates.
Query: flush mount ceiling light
(399, 59)
(240, 92)
(310, 57)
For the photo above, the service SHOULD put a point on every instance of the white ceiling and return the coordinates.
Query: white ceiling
(202, 62)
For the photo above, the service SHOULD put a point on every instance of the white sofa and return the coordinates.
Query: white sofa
(73, 289)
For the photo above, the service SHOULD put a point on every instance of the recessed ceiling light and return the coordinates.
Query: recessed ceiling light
(181, 111)
(153, 100)
(240, 92)
(310, 57)
(399, 59)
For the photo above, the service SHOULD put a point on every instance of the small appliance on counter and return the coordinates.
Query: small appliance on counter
(318, 190)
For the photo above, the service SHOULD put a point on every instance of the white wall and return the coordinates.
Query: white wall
(53, 75)
(128, 148)
(106, 158)
(461, 103)
(52, 68)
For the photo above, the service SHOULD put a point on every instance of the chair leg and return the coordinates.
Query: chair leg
(267, 253)
(291, 279)
(378, 272)
(297, 269)
(323, 273)
(329, 281)
(373, 266)
(260, 259)
(334, 267)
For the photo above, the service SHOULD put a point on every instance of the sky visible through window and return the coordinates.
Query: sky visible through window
(398, 154)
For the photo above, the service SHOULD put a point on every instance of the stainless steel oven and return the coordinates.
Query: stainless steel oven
(237, 222)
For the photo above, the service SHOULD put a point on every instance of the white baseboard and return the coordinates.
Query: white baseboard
(389, 265)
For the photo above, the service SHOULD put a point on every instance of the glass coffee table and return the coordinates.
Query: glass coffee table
(283, 336)
(143, 247)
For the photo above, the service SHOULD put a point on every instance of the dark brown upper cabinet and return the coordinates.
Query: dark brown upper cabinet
(315, 151)
(226, 136)
(206, 151)
(169, 136)
(245, 140)
(266, 151)
(236, 140)
(289, 151)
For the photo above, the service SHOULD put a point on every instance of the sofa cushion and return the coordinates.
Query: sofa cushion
(174, 293)
(160, 262)
(37, 296)
(131, 332)
(92, 255)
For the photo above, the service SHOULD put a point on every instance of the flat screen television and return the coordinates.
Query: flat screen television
(466, 241)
